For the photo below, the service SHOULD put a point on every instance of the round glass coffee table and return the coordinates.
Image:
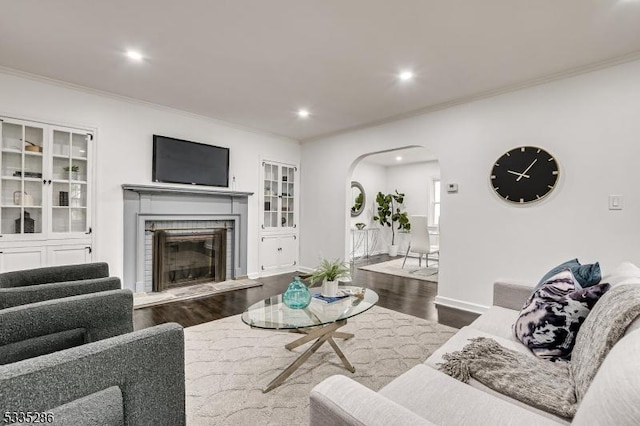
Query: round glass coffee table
(319, 321)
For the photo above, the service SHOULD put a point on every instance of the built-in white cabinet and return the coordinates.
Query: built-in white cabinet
(279, 202)
(45, 194)
(17, 258)
(279, 252)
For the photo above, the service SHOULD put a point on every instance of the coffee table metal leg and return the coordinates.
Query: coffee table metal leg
(296, 364)
(314, 334)
(344, 359)
(341, 335)
(338, 334)
(322, 334)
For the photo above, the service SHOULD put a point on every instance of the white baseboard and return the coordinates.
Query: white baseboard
(461, 305)
(305, 269)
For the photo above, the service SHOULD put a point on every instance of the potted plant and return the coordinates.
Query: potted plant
(328, 272)
(72, 172)
(389, 213)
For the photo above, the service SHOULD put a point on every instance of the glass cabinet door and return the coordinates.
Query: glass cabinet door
(271, 193)
(69, 190)
(279, 195)
(21, 181)
(287, 193)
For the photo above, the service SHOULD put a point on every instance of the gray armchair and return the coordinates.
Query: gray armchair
(132, 379)
(54, 282)
(36, 329)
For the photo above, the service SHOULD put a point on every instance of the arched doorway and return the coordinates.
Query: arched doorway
(412, 171)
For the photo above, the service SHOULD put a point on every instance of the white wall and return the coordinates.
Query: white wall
(415, 181)
(373, 177)
(124, 149)
(589, 122)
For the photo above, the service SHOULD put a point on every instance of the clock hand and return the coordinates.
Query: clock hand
(526, 170)
(518, 174)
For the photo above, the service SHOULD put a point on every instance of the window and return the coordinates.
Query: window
(435, 202)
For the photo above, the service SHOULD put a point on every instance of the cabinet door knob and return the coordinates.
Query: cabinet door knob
(49, 181)
(44, 181)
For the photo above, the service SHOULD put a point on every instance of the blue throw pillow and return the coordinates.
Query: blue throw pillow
(586, 275)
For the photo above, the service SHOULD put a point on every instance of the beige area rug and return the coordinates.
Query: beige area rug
(144, 300)
(228, 363)
(410, 270)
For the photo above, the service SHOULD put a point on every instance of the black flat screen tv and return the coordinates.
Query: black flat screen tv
(180, 161)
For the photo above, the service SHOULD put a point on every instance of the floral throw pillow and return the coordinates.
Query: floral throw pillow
(551, 318)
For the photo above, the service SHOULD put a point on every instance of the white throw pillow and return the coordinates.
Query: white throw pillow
(625, 273)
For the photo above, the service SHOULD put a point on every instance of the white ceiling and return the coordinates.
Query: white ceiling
(255, 62)
(407, 156)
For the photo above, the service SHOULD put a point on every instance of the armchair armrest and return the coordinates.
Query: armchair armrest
(41, 328)
(15, 296)
(53, 274)
(147, 366)
(339, 400)
(510, 295)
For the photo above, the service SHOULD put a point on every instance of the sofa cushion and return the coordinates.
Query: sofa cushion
(41, 345)
(461, 339)
(613, 397)
(601, 330)
(625, 273)
(498, 322)
(103, 408)
(586, 275)
(548, 324)
(443, 400)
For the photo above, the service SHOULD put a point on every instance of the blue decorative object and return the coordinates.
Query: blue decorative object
(297, 295)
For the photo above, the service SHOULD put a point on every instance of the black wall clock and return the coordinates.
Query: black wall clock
(524, 174)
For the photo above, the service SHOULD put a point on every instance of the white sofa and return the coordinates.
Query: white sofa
(426, 396)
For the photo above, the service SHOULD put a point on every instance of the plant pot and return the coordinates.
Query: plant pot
(72, 175)
(393, 250)
(329, 288)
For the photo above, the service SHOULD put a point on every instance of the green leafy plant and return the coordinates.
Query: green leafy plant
(389, 213)
(357, 203)
(330, 270)
(72, 168)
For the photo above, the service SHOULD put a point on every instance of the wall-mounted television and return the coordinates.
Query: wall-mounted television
(180, 161)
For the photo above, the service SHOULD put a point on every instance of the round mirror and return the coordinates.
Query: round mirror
(358, 198)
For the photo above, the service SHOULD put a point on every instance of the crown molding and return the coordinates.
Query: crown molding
(561, 75)
(160, 107)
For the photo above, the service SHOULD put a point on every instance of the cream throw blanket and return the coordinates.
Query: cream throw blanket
(556, 387)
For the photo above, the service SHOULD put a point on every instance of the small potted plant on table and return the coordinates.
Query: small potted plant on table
(328, 272)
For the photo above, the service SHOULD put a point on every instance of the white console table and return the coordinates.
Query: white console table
(363, 242)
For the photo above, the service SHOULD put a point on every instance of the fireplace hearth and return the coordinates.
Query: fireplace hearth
(187, 257)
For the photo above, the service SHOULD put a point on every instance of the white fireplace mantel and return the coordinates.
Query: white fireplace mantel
(195, 190)
(163, 202)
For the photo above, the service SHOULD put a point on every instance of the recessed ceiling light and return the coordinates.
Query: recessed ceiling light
(406, 75)
(303, 113)
(398, 158)
(134, 55)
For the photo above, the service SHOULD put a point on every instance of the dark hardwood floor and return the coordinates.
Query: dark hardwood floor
(406, 295)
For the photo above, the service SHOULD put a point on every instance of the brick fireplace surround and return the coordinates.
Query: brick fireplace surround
(145, 204)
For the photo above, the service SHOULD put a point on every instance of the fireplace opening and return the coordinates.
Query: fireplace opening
(187, 257)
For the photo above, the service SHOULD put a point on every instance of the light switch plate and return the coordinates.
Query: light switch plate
(615, 202)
